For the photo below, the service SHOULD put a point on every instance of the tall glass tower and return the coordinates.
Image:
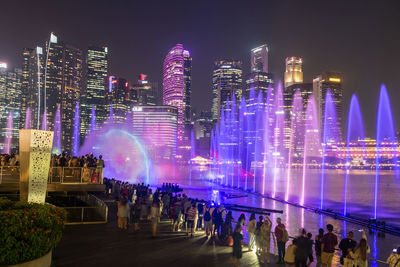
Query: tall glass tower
(177, 83)
(227, 81)
(94, 92)
(259, 59)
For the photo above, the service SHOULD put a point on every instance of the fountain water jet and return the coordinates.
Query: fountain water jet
(330, 135)
(75, 135)
(295, 131)
(93, 120)
(385, 133)
(355, 132)
(44, 121)
(28, 118)
(8, 137)
(57, 132)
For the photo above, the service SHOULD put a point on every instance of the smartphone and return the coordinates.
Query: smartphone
(360, 230)
(394, 250)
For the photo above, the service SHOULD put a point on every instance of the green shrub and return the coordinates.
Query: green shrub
(28, 230)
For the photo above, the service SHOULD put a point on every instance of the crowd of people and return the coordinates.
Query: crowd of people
(9, 160)
(138, 202)
(67, 160)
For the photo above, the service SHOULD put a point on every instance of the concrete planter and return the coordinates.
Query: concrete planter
(44, 261)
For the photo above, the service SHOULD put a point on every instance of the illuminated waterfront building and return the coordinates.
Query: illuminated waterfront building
(176, 85)
(362, 153)
(10, 102)
(259, 59)
(332, 81)
(144, 92)
(227, 80)
(117, 99)
(95, 89)
(294, 71)
(156, 126)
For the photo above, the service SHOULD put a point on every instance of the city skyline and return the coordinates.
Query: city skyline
(356, 49)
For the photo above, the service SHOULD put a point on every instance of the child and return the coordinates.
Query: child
(237, 245)
(290, 256)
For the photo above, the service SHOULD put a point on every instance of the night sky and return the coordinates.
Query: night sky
(361, 39)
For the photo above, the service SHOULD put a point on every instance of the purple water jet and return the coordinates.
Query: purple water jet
(57, 133)
(28, 119)
(75, 134)
(8, 137)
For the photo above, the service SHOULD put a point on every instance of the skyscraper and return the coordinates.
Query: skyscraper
(33, 74)
(332, 81)
(70, 92)
(144, 92)
(176, 84)
(10, 102)
(156, 127)
(259, 59)
(53, 77)
(26, 54)
(227, 81)
(294, 71)
(94, 92)
(117, 100)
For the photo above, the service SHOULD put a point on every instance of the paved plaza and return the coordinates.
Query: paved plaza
(106, 245)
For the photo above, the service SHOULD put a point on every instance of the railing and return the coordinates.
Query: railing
(95, 212)
(10, 174)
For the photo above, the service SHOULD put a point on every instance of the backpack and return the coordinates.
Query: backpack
(285, 236)
(207, 216)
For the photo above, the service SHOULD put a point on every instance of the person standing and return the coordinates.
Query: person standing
(394, 259)
(258, 233)
(281, 238)
(123, 213)
(318, 240)
(345, 245)
(155, 216)
(251, 228)
(265, 239)
(237, 245)
(200, 210)
(328, 244)
(208, 220)
(191, 216)
(361, 252)
(302, 248)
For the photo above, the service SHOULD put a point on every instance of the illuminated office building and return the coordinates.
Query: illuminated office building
(332, 81)
(70, 92)
(118, 102)
(156, 127)
(144, 92)
(26, 54)
(259, 59)
(176, 85)
(294, 71)
(95, 89)
(10, 102)
(32, 80)
(227, 81)
(305, 89)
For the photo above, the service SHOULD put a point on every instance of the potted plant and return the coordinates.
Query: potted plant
(29, 232)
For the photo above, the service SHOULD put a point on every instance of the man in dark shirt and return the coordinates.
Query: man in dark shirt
(328, 244)
(345, 245)
(303, 246)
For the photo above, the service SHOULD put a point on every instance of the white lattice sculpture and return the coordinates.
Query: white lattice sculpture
(35, 154)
